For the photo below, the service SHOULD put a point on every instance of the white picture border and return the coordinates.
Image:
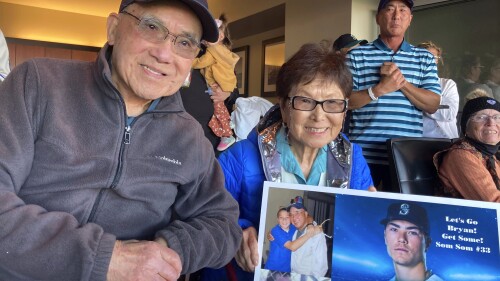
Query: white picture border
(396, 196)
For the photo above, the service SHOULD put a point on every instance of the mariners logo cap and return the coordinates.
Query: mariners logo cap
(410, 212)
(200, 8)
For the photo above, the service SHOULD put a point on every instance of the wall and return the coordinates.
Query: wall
(40, 24)
(20, 50)
(255, 51)
(237, 9)
(88, 7)
(313, 21)
(304, 23)
(326, 19)
(363, 24)
(458, 28)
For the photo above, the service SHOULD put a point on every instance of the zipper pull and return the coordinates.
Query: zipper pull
(126, 139)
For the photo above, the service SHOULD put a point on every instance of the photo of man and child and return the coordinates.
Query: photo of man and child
(297, 239)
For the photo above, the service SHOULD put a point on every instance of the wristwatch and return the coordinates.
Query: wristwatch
(371, 95)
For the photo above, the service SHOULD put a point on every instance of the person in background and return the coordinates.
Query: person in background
(199, 104)
(394, 82)
(476, 93)
(345, 42)
(468, 80)
(470, 168)
(4, 58)
(493, 77)
(442, 123)
(247, 114)
(217, 66)
(100, 179)
(297, 141)
(407, 237)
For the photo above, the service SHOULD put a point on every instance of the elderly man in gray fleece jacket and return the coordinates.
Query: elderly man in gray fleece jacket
(103, 175)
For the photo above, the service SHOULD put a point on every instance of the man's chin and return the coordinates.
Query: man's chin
(404, 261)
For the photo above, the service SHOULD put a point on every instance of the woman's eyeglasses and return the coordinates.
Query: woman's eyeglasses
(308, 104)
(151, 30)
(483, 118)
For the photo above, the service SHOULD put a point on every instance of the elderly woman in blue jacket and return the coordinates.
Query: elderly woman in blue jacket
(297, 141)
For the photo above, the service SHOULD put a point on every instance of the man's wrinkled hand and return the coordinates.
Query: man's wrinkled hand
(247, 256)
(143, 260)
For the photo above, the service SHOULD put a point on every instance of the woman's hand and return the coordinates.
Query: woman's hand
(247, 256)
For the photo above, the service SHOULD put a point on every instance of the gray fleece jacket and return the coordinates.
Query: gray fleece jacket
(73, 179)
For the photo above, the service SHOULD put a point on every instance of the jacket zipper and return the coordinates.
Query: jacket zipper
(125, 140)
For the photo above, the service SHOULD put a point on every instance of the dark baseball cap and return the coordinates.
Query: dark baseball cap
(297, 203)
(200, 8)
(410, 212)
(346, 41)
(383, 3)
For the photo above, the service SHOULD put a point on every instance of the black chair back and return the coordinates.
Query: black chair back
(411, 166)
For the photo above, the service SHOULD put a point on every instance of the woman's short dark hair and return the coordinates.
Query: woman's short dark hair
(312, 61)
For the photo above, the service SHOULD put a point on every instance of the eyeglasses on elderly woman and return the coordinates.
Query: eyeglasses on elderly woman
(483, 118)
(308, 104)
(153, 31)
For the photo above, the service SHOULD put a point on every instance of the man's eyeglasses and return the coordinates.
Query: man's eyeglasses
(308, 104)
(483, 118)
(151, 30)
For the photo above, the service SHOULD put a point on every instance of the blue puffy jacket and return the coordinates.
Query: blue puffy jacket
(244, 175)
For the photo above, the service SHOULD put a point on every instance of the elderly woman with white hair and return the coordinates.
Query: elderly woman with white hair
(469, 168)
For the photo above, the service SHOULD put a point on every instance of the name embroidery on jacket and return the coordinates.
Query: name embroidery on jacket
(173, 161)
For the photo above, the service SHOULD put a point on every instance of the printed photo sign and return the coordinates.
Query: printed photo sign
(378, 235)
